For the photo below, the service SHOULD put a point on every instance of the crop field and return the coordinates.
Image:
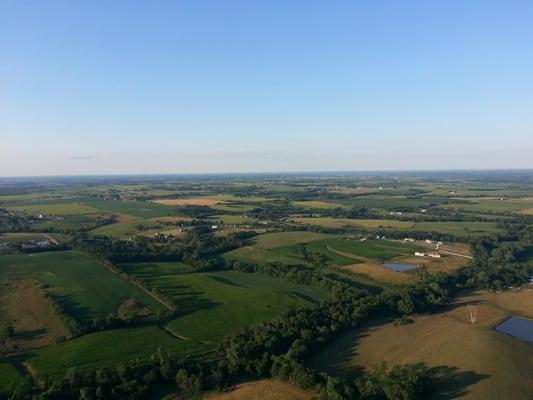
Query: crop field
(318, 204)
(143, 209)
(390, 202)
(108, 348)
(214, 304)
(126, 228)
(520, 205)
(53, 208)
(483, 363)
(453, 227)
(233, 219)
(86, 289)
(203, 201)
(328, 222)
(260, 248)
(71, 222)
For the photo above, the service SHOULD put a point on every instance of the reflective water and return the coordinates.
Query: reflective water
(399, 267)
(518, 327)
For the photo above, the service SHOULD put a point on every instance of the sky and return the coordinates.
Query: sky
(123, 87)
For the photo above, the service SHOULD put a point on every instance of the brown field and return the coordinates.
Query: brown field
(466, 361)
(444, 264)
(23, 306)
(527, 211)
(263, 390)
(188, 202)
(379, 273)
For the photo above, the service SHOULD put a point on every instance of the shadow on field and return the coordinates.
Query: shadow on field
(358, 285)
(190, 301)
(450, 382)
(225, 281)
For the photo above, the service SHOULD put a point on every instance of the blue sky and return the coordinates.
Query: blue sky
(97, 87)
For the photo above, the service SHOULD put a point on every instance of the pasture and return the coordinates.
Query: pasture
(467, 361)
(213, 304)
(311, 204)
(495, 205)
(52, 208)
(328, 222)
(86, 289)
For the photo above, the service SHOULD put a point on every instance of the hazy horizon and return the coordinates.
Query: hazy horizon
(93, 88)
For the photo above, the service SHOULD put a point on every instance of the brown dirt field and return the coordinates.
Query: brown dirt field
(23, 305)
(188, 202)
(263, 390)
(379, 273)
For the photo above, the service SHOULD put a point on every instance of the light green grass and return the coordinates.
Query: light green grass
(86, 289)
(278, 239)
(109, 348)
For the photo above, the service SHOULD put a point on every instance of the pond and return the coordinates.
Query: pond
(518, 327)
(399, 267)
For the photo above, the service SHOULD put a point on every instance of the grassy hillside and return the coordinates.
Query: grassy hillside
(467, 361)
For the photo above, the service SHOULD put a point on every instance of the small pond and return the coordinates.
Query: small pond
(520, 328)
(399, 267)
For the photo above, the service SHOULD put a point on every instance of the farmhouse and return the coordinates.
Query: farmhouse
(419, 254)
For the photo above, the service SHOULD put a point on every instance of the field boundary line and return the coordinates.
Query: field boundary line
(110, 267)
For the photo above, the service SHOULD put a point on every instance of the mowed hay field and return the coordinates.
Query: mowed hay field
(262, 390)
(467, 361)
(213, 304)
(109, 348)
(86, 289)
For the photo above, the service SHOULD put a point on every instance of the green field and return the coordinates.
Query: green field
(110, 348)
(142, 209)
(126, 228)
(495, 205)
(452, 227)
(328, 222)
(232, 219)
(9, 377)
(318, 204)
(213, 304)
(53, 208)
(86, 289)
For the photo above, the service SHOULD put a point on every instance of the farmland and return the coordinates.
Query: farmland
(86, 289)
(217, 303)
(469, 361)
(182, 285)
